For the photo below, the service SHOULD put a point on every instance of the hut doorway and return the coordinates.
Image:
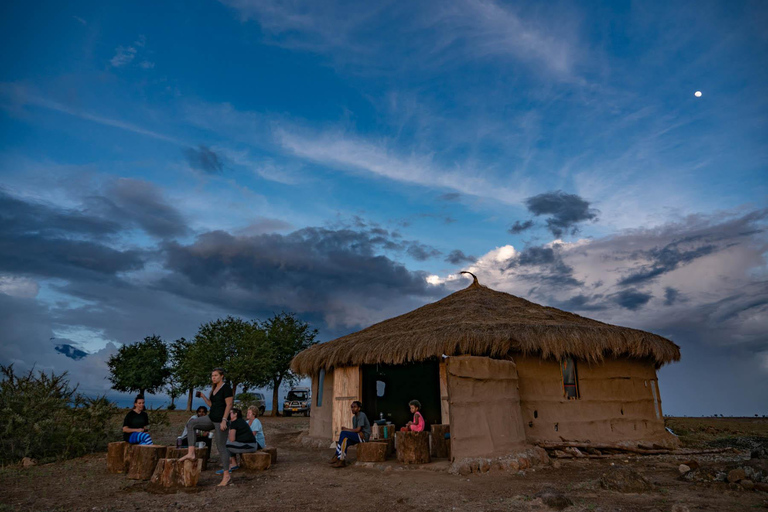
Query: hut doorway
(387, 389)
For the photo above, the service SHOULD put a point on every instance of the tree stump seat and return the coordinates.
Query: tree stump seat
(272, 453)
(413, 447)
(256, 461)
(116, 457)
(441, 447)
(372, 452)
(143, 459)
(390, 444)
(200, 454)
(172, 473)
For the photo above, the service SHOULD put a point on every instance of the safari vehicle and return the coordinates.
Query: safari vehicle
(298, 400)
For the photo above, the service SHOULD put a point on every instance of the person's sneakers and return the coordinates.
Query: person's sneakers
(339, 464)
(334, 459)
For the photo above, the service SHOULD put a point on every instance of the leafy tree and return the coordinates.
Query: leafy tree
(238, 346)
(182, 376)
(140, 366)
(287, 336)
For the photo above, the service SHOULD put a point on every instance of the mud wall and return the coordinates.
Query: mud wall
(321, 418)
(619, 401)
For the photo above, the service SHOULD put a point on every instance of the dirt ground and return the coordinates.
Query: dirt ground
(302, 480)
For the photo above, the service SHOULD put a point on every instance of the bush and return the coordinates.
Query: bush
(42, 417)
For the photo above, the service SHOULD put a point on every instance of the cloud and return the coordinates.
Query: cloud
(204, 159)
(123, 56)
(456, 257)
(671, 295)
(519, 227)
(263, 225)
(565, 211)
(422, 252)
(19, 287)
(450, 197)
(80, 20)
(631, 299)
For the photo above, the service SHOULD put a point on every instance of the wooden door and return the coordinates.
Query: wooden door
(347, 384)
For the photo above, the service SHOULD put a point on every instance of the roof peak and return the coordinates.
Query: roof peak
(475, 282)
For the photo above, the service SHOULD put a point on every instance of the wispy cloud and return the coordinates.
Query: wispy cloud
(124, 55)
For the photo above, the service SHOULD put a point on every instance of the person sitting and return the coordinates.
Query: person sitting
(359, 433)
(253, 422)
(136, 424)
(418, 424)
(241, 438)
(200, 435)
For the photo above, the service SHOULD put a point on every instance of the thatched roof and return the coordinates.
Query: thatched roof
(484, 322)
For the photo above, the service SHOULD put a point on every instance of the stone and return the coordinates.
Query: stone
(554, 499)
(26, 462)
(692, 464)
(574, 451)
(735, 475)
(761, 486)
(683, 469)
(560, 454)
(747, 484)
(624, 479)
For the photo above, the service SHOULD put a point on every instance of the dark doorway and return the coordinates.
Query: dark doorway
(387, 389)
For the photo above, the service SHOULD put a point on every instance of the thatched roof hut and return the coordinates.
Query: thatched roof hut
(483, 322)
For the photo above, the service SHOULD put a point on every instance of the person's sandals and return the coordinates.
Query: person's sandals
(334, 459)
(339, 464)
(221, 471)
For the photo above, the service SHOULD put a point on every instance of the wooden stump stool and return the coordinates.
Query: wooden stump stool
(143, 460)
(272, 453)
(170, 473)
(200, 454)
(116, 457)
(372, 452)
(257, 461)
(390, 444)
(441, 447)
(413, 447)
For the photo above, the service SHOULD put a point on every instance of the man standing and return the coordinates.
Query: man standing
(359, 433)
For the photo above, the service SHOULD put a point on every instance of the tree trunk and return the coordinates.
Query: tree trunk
(258, 461)
(116, 457)
(372, 452)
(200, 454)
(143, 460)
(190, 398)
(173, 398)
(275, 391)
(234, 390)
(171, 473)
(412, 447)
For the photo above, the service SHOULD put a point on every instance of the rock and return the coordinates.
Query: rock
(556, 465)
(574, 451)
(485, 466)
(554, 499)
(683, 469)
(26, 462)
(747, 484)
(561, 454)
(735, 475)
(692, 464)
(624, 479)
(761, 486)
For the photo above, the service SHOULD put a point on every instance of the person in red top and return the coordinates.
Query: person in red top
(417, 425)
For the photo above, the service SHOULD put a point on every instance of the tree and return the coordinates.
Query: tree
(287, 336)
(140, 366)
(234, 344)
(183, 379)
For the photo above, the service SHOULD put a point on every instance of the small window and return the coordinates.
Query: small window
(320, 385)
(381, 386)
(570, 379)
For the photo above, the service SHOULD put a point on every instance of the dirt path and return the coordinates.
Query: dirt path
(302, 480)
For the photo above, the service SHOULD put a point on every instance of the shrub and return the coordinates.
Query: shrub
(42, 417)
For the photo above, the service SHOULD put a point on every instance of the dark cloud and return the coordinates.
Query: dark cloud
(671, 295)
(631, 299)
(204, 159)
(543, 265)
(564, 211)
(582, 303)
(450, 196)
(518, 227)
(141, 203)
(537, 256)
(457, 257)
(422, 252)
(665, 260)
(70, 351)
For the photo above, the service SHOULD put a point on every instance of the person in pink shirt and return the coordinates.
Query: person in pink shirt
(417, 425)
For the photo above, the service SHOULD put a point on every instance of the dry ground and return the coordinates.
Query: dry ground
(302, 480)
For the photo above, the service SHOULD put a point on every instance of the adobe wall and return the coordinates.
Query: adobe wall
(321, 418)
(619, 401)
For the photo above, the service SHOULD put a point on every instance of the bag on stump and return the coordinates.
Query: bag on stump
(143, 460)
(116, 457)
(170, 473)
(441, 447)
(413, 447)
(200, 454)
(257, 461)
(373, 451)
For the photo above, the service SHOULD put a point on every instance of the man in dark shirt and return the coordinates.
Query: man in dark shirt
(359, 433)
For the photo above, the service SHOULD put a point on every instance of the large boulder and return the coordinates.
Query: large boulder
(624, 479)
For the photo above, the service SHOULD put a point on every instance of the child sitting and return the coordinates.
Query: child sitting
(417, 425)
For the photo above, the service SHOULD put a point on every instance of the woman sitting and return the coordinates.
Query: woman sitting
(241, 438)
(136, 424)
(253, 422)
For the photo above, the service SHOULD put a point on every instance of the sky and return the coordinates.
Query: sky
(164, 164)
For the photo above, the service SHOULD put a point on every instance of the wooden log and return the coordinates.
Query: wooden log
(440, 447)
(116, 457)
(256, 461)
(412, 447)
(372, 452)
(172, 473)
(390, 442)
(272, 453)
(143, 460)
(200, 453)
(127, 451)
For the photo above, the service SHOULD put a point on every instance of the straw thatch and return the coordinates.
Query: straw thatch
(484, 322)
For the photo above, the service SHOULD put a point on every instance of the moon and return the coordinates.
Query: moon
(697, 94)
